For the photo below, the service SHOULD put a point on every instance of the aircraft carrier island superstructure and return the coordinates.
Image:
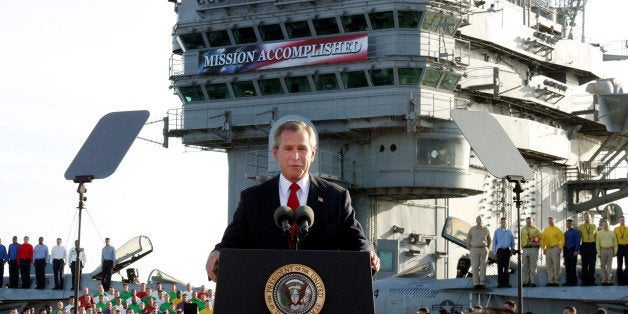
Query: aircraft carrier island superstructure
(378, 80)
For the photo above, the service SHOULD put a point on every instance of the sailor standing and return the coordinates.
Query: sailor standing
(621, 232)
(503, 246)
(108, 259)
(41, 256)
(479, 243)
(72, 258)
(588, 235)
(552, 241)
(606, 245)
(570, 253)
(530, 243)
(58, 255)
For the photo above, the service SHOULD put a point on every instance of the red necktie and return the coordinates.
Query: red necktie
(293, 202)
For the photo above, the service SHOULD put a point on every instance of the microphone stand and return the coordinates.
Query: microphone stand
(81, 180)
(296, 239)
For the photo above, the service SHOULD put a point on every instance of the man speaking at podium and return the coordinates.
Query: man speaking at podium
(253, 225)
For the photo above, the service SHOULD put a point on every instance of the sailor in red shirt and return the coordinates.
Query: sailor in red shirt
(25, 260)
(86, 300)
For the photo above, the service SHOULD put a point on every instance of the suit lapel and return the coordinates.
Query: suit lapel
(315, 198)
(272, 190)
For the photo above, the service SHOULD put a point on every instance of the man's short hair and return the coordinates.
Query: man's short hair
(571, 309)
(295, 126)
(511, 303)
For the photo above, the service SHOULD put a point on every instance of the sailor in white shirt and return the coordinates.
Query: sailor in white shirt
(58, 256)
(72, 259)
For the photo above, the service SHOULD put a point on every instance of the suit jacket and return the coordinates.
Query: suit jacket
(334, 228)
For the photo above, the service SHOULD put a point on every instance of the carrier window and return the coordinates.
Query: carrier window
(449, 81)
(218, 38)
(298, 29)
(431, 78)
(192, 93)
(382, 77)
(270, 32)
(431, 21)
(382, 20)
(353, 23)
(243, 89)
(409, 19)
(409, 76)
(449, 25)
(217, 91)
(324, 82)
(298, 84)
(193, 41)
(244, 35)
(448, 152)
(355, 79)
(326, 26)
(270, 86)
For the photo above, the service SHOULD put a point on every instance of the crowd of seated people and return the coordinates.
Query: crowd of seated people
(153, 300)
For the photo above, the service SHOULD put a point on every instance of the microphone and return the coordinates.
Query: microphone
(284, 217)
(304, 217)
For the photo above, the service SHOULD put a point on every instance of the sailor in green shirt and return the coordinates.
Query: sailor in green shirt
(166, 305)
(588, 235)
(173, 291)
(60, 308)
(199, 302)
(125, 293)
(102, 303)
(606, 245)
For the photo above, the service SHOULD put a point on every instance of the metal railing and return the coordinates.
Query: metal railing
(435, 46)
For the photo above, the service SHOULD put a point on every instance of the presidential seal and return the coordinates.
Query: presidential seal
(294, 289)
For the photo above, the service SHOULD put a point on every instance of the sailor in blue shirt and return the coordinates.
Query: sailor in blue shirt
(108, 261)
(3, 258)
(503, 246)
(41, 257)
(14, 267)
(570, 253)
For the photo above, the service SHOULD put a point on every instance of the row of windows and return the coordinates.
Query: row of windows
(319, 83)
(300, 29)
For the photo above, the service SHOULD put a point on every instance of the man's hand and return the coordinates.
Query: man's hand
(374, 261)
(212, 265)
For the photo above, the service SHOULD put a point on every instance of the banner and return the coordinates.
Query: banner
(284, 54)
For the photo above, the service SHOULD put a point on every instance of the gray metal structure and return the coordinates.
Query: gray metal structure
(383, 122)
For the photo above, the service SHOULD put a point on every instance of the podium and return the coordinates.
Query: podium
(250, 280)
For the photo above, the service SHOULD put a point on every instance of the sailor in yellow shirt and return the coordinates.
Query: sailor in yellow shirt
(530, 243)
(621, 232)
(606, 245)
(552, 242)
(588, 235)
(208, 308)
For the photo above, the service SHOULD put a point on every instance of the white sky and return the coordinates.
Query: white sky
(66, 63)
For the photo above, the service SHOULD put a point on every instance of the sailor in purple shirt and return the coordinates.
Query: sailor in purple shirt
(14, 268)
(570, 253)
(3, 258)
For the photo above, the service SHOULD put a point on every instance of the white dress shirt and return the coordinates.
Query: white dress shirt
(58, 252)
(302, 193)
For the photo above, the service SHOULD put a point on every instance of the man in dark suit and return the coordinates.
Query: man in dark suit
(253, 226)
